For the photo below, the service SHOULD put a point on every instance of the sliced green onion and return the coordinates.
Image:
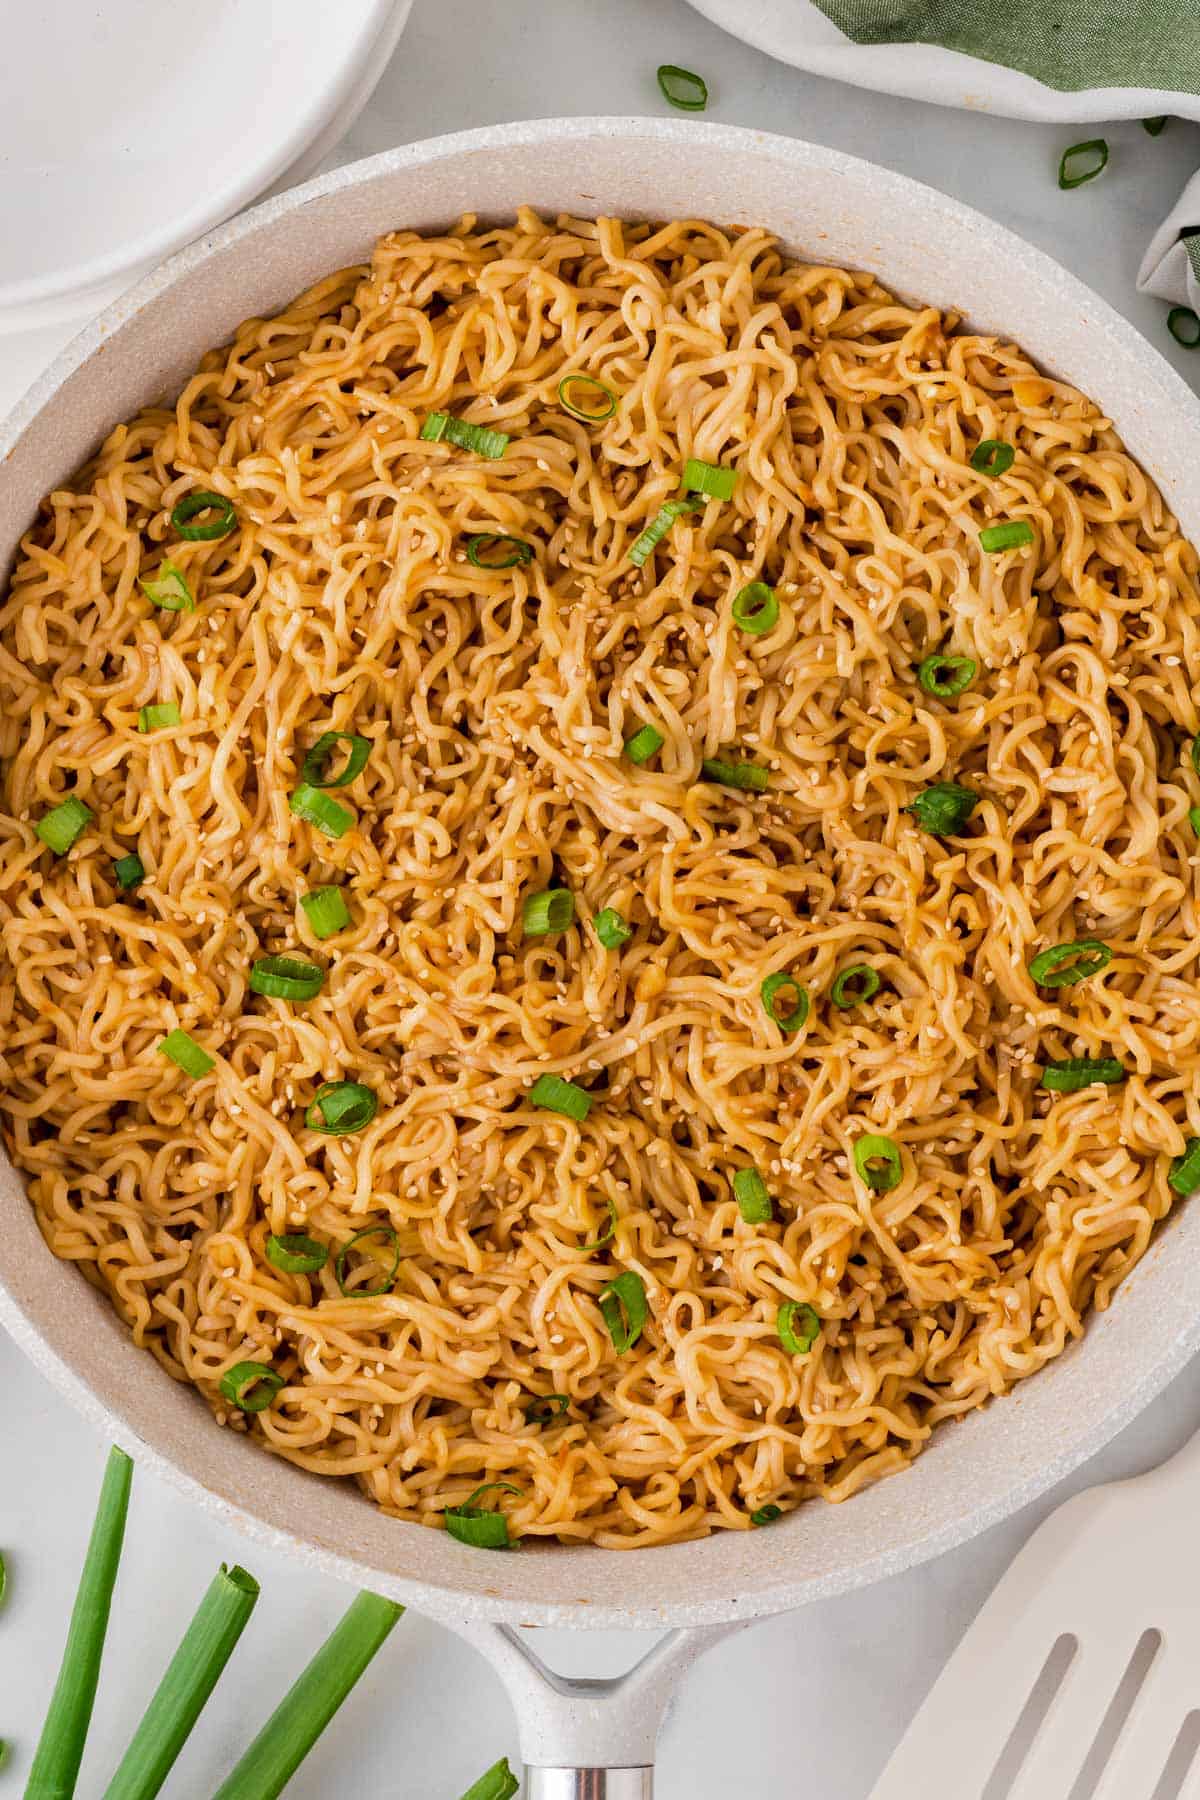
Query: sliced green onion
(296, 1253)
(1156, 126)
(316, 808)
(545, 1407)
(389, 1281)
(477, 1526)
(55, 1770)
(774, 984)
(944, 808)
(947, 676)
(496, 1783)
(326, 911)
(557, 1095)
(798, 1325)
(300, 1718)
(1006, 537)
(340, 1107)
(191, 1676)
(610, 1234)
(855, 986)
(493, 550)
(158, 718)
(64, 824)
(1090, 157)
(186, 513)
(755, 609)
(1194, 819)
(479, 438)
(129, 871)
(993, 457)
(749, 775)
(285, 978)
(645, 743)
(683, 87)
(1076, 1072)
(766, 1515)
(1184, 1175)
(548, 912)
(623, 1309)
(1065, 964)
(3, 1578)
(754, 1202)
(878, 1161)
(186, 1053)
(605, 408)
(1184, 326)
(251, 1386)
(611, 928)
(659, 526)
(707, 478)
(312, 770)
(168, 589)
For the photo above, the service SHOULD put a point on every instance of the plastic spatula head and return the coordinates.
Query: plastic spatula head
(1080, 1677)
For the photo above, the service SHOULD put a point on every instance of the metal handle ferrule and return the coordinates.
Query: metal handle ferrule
(589, 1784)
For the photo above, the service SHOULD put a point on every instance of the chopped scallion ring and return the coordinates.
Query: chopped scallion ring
(766, 1515)
(878, 1161)
(624, 1310)
(1082, 162)
(186, 516)
(544, 1407)
(659, 526)
(747, 775)
(313, 768)
(611, 928)
(754, 1202)
(1184, 326)
(168, 589)
(296, 1253)
(554, 1094)
(609, 1235)
(1184, 1176)
(993, 457)
(782, 982)
(645, 743)
(64, 824)
(1076, 1072)
(1009, 536)
(798, 1325)
(605, 407)
(479, 438)
(129, 871)
(710, 479)
(944, 808)
(945, 677)
(755, 609)
(285, 978)
(1065, 964)
(548, 912)
(472, 1524)
(186, 1054)
(493, 550)
(386, 1233)
(683, 87)
(340, 1107)
(159, 718)
(316, 808)
(326, 911)
(1194, 819)
(855, 986)
(251, 1386)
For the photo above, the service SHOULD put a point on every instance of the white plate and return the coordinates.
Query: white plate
(128, 128)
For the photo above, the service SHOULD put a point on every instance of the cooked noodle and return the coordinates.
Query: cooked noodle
(497, 704)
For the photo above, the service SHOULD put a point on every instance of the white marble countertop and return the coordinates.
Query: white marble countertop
(814, 1700)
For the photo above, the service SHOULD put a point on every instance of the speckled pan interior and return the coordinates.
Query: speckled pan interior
(826, 207)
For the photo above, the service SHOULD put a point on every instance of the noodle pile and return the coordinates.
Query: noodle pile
(497, 703)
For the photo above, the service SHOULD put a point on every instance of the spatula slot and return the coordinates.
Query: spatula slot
(1032, 1716)
(1119, 1708)
(1179, 1763)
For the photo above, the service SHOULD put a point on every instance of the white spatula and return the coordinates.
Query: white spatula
(1080, 1677)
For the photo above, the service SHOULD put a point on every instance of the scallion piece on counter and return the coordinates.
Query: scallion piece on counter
(159, 718)
(286, 978)
(798, 1325)
(544, 1407)
(1184, 326)
(1082, 162)
(496, 1783)
(659, 526)
(317, 809)
(683, 87)
(548, 912)
(493, 550)
(479, 438)
(479, 1526)
(754, 1202)
(129, 872)
(186, 1054)
(1065, 964)
(574, 391)
(611, 928)
(554, 1094)
(1076, 1072)
(747, 775)
(623, 1309)
(251, 1386)
(645, 743)
(855, 986)
(709, 479)
(946, 676)
(878, 1161)
(1156, 126)
(3, 1578)
(191, 1676)
(755, 609)
(296, 1253)
(1009, 536)
(59, 1753)
(345, 1277)
(326, 911)
(168, 589)
(1184, 1176)
(1194, 819)
(609, 1235)
(993, 457)
(944, 808)
(188, 516)
(766, 1515)
(340, 1107)
(785, 985)
(64, 824)
(300, 1718)
(314, 769)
